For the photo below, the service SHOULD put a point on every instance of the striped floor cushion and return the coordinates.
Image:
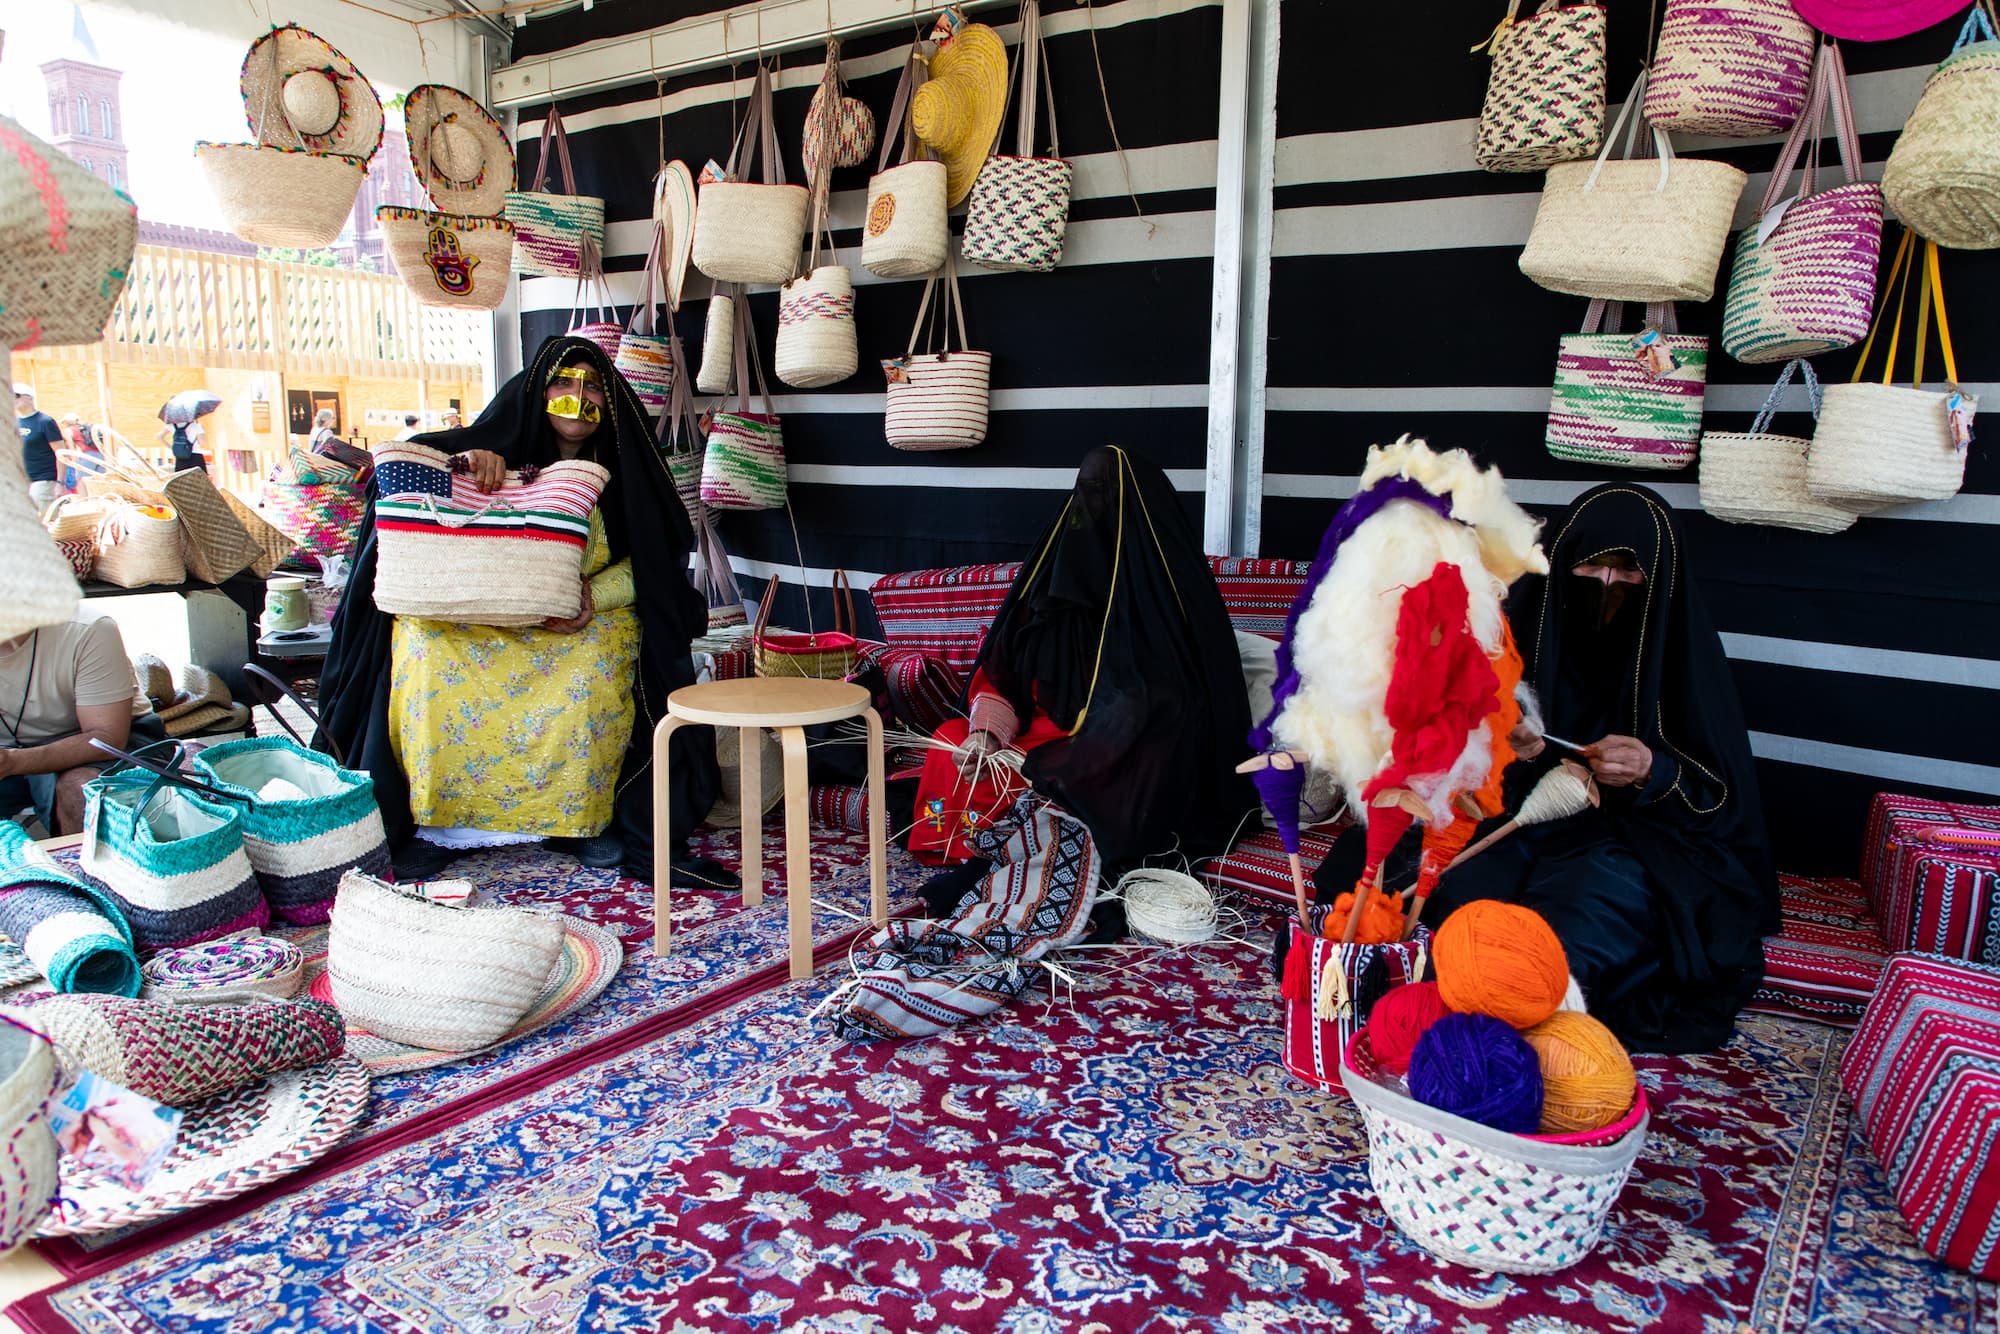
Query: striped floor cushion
(1923, 1072)
(1827, 961)
(1931, 869)
(836, 807)
(924, 690)
(1257, 867)
(947, 611)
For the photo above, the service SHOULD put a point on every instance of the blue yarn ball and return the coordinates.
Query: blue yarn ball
(1478, 1067)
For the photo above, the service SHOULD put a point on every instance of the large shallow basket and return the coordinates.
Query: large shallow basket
(1484, 1198)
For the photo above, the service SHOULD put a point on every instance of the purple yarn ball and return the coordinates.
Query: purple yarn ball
(1478, 1067)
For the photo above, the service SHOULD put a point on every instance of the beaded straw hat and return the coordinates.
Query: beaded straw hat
(458, 151)
(957, 113)
(319, 98)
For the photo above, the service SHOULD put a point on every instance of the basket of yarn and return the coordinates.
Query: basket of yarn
(1331, 988)
(1502, 1119)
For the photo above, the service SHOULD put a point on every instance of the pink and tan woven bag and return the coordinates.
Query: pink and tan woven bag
(1734, 68)
(1804, 278)
(1019, 210)
(1545, 91)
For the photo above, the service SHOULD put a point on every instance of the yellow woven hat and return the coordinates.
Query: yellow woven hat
(957, 113)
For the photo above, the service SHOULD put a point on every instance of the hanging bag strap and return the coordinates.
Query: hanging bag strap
(948, 305)
(552, 129)
(1828, 92)
(1770, 409)
(902, 112)
(1609, 316)
(680, 403)
(1499, 29)
(1978, 26)
(749, 362)
(652, 287)
(1661, 144)
(1032, 61)
(1930, 294)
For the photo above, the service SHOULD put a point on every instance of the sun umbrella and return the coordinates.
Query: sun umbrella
(188, 405)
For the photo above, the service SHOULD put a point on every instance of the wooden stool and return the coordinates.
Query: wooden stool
(789, 705)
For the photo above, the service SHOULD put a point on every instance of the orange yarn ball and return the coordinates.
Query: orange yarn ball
(1381, 918)
(1500, 959)
(1587, 1078)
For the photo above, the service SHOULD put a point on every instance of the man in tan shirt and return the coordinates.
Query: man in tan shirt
(60, 686)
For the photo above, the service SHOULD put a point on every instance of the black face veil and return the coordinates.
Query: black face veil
(643, 520)
(1116, 630)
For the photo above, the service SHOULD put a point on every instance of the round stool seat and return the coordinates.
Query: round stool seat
(763, 701)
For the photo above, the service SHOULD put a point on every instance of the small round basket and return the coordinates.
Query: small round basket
(1483, 1198)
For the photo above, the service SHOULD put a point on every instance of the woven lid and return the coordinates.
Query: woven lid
(1874, 20)
(458, 151)
(293, 112)
(957, 113)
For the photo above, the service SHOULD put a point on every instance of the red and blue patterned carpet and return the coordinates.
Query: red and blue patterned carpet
(698, 1153)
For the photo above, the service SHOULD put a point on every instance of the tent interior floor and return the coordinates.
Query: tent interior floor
(1126, 1154)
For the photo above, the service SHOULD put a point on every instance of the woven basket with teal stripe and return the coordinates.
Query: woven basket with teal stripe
(744, 468)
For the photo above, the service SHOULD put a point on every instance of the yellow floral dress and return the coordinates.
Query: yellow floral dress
(519, 731)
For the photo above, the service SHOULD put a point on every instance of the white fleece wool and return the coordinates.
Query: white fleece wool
(1345, 648)
(1507, 533)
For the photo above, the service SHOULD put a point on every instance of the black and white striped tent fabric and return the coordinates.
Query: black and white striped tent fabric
(1866, 660)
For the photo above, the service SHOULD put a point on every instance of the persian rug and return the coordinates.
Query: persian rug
(722, 951)
(1133, 1157)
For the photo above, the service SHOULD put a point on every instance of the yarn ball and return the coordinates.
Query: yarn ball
(1381, 918)
(1587, 1078)
(1573, 998)
(1500, 959)
(1399, 1019)
(1478, 1067)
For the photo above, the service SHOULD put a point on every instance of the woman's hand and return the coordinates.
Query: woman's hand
(489, 470)
(1526, 741)
(582, 617)
(972, 754)
(1620, 761)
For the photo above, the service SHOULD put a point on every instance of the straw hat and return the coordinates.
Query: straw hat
(37, 586)
(728, 808)
(957, 113)
(458, 151)
(202, 702)
(155, 682)
(1875, 20)
(322, 102)
(673, 209)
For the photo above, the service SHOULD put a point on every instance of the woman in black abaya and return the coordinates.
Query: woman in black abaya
(1661, 896)
(536, 418)
(1112, 666)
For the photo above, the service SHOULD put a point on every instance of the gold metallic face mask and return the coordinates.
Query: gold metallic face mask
(575, 406)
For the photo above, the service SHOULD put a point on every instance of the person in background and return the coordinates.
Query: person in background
(323, 432)
(82, 437)
(185, 438)
(411, 429)
(39, 438)
(452, 421)
(60, 687)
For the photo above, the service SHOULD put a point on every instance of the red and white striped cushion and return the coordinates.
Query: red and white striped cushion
(1826, 961)
(1923, 1072)
(1932, 871)
(1258, 869)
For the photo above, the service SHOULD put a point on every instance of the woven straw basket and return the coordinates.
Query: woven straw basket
(1638, 229)
(27, 1082)
(1883, 444)
(1943, 176)
(73, 518)
(446, 259)
(718, 342)
(749, 233)
(139, 545)
(431, 976)
(1483, 1198)
(65, 244)
(274, 196)
(646, 361)
(1545, 92)
(1756, 477)
(1735, 68)
(816, 337)
(906, 234)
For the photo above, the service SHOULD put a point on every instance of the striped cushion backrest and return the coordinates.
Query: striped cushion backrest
(946, 611)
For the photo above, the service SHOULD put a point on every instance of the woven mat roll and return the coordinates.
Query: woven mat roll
(71, 931)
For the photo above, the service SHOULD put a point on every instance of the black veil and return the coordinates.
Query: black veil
(1115, 628)
(643, 519)
(1666, 682)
